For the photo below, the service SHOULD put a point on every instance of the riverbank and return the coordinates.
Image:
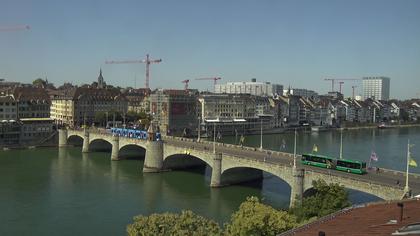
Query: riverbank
(375, 126)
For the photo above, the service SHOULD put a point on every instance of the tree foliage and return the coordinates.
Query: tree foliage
(186, 223)
(255, 218)
(39, 82)
(326, 200)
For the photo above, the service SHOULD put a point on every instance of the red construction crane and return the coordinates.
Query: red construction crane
(14, 28)
(353, 87)
(333, 82)
(215, 79)
(147, 61)
(186, 84)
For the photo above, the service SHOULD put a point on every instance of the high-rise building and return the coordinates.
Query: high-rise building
(376, 88)
(253, 88)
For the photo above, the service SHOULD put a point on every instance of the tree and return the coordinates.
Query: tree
(255, 218)
(186, 223)
(326, 200)
(100, 118)
(40, 83)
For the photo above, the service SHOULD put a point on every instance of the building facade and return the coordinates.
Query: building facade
(78, 106)
(300, 92)
(253, 88)
(175, 112)
(376, 88)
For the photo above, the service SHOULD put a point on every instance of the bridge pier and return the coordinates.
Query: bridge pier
(216, 172)
(115, 148)
(85, 147)
(153, 161)
(296, 194)
(62, 137)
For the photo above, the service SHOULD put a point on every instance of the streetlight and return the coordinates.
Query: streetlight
(406, 188)
(261, 136)
(214, 137)
(294, 151)
(341, 144)
(199, 130)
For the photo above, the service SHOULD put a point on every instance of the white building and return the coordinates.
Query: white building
(253, 88)
(300, 92)
(376, 88)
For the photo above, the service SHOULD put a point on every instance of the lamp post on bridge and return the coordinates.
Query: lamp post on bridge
(294, 151)
(261, 136)
(199, 129)
(214, 137)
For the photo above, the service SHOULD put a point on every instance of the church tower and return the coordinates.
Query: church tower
(101, 82)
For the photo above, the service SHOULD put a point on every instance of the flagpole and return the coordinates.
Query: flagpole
(294, 151)
(341, 144)
(406, 188)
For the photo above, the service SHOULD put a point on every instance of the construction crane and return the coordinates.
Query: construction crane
(15, 28)
(215, 79)
(186, 84)
(353, 87)
(341, 84)
(334, 80)
(147, 61)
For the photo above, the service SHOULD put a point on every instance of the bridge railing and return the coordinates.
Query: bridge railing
(366, 178)
(219, 144)
(400, 173)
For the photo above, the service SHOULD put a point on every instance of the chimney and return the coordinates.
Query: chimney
(401, 206)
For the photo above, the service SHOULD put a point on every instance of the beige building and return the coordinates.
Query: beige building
(138, 100)
(235, 114)
(78, 106)
(175, 111)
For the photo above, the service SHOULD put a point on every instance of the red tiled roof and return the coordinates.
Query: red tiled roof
(372, 219)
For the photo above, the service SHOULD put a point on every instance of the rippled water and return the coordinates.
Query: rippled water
(62, 191)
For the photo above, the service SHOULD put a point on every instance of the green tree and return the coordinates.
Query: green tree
(326, 200)
(39, 83)
(186, 223)
(100, 118)
(255, 218)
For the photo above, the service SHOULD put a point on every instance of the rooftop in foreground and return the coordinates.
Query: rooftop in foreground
(371, 219)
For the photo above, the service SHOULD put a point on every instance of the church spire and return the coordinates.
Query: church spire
(101, 82)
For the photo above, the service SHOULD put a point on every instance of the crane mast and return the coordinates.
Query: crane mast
(146, 61)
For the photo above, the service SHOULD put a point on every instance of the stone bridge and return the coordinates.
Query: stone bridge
(233, 164)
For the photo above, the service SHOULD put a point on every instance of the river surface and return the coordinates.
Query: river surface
(52, 191)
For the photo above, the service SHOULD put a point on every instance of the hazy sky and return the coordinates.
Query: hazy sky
(295, 43)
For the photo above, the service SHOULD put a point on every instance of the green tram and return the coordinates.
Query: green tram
(350, 166)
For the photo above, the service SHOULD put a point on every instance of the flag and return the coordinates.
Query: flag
(315, 148)
(412, 162)
(373, 156)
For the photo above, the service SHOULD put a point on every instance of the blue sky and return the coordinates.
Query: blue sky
(295, 43)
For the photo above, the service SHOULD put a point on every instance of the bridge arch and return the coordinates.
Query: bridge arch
(132, 151)
(376, 190)
(75, 140)
(282, 172)
(100, 144)
(184, 161)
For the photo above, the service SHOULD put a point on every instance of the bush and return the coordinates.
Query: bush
(255, 218)
(326, 200)
(186, 223)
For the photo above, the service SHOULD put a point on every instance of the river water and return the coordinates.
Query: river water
(50, 191)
